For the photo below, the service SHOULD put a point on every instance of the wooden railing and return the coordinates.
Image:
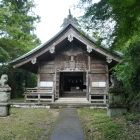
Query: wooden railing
(98, 98)
(39, 94)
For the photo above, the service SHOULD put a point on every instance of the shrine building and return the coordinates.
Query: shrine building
(69, 65)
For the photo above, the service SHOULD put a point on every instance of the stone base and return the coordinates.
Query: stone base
(4, 109)
(116, 98)
(115, 112)
(4, 96)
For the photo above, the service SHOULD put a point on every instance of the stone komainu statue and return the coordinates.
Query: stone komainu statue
(3, 80)
(115, 83)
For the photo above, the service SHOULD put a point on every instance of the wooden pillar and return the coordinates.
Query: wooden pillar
(53, 98)
(104, 99)
(89, 98)
(39, 98)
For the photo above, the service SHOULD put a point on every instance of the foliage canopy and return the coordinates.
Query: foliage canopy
(117, 23)
(16, 28)
(17, 25)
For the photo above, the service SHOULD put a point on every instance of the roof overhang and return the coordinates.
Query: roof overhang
(68, 34)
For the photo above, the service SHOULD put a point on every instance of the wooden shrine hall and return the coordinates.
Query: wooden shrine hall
(69, 65)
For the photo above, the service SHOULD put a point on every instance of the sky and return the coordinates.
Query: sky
(52, 13)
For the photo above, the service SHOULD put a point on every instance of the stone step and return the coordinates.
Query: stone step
(74, 94)
(72, 100)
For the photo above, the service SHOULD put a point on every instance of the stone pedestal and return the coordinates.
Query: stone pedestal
(116, 105)
(116, 111)
(4, 109)
(5, 93)
(5, 96)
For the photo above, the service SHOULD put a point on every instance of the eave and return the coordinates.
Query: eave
(68, 32)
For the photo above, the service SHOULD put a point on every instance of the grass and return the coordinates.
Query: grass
(98, 126)
(28, 124)
(133, 117)
(37, 124)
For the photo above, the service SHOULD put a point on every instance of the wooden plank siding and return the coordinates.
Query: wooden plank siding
(71, 59)
(46, 67)
(98, 73)
(78, 60)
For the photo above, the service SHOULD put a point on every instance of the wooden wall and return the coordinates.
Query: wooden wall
(75, 58)
(72, 58)
(46, 72)
(98, 76)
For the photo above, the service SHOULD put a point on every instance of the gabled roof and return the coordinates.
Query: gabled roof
(69, 32)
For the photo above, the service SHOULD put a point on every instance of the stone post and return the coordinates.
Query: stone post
(5, 93)
(116, 105)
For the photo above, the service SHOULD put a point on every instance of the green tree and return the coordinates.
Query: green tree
(17, 25)
(118, 24)
(117, 21)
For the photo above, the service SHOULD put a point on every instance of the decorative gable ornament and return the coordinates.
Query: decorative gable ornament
(108, 59)
(89, 49)
(33, 61)
(70, 38)
(52, 49)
